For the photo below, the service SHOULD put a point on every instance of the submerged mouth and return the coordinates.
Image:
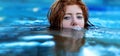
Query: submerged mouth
(77, 28)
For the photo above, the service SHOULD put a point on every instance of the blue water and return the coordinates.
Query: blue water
(23, 31)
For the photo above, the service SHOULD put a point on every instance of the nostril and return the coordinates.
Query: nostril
(74, 24)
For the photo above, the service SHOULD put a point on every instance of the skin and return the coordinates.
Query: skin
(74, 9)
(73, 17)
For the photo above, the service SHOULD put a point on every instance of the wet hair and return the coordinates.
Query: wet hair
(57, 12)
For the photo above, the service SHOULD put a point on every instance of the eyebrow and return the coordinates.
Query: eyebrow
(79, 13)
(71, 13)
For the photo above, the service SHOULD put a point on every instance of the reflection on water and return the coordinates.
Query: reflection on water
(43, 43)
(69, 42)
(38, 41)
(68, 46)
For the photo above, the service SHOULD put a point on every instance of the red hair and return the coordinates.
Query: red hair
(57, 12)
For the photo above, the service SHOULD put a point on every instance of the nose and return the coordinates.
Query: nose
(74, 22)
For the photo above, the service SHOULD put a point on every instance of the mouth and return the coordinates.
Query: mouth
(77, 27)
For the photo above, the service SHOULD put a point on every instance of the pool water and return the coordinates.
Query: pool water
(43, 42)
(25, 32)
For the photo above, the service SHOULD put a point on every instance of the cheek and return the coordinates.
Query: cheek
(82, 23)
(66, 24)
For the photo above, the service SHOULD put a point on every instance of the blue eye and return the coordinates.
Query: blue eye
(66, 18)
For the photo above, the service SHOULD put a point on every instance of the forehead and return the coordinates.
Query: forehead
(73, 9)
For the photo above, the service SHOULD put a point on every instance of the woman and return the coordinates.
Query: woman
(68, 14)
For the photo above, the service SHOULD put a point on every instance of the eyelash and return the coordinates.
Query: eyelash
(66, 18)
(79, 17)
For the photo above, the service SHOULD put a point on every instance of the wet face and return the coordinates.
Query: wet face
(73, 17)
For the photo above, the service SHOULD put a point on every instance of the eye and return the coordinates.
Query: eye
(79, 17)
(67, 17)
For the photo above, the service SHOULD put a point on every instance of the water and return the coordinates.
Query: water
(67, 42)
(25, 32)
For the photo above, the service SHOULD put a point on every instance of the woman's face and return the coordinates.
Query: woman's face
(73, 17)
